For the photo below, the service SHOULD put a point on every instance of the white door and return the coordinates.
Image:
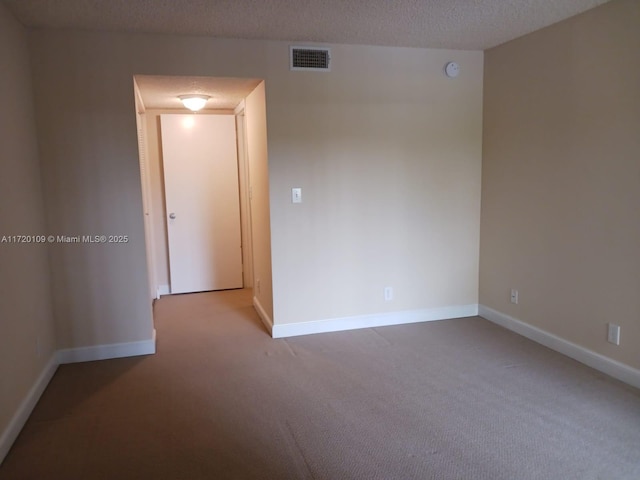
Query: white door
(202, 202)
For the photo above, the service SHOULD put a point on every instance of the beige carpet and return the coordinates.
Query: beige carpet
(455, 399)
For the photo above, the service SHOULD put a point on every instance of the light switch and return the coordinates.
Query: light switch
(296, 195)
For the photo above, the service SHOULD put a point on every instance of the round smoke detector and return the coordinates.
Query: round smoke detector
(452, 69)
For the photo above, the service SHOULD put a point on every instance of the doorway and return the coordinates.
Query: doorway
(244, 101)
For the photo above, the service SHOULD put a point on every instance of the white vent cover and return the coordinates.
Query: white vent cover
(310, 59)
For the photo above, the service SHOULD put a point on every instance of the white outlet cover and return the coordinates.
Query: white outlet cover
(388, 293)
(514, 296)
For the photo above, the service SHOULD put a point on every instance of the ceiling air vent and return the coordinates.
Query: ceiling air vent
(310, 59)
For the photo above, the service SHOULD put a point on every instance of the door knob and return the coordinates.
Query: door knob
(172, 216)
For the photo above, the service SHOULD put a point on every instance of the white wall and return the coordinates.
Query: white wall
(385, 147)
(561, 179)
(27, 339)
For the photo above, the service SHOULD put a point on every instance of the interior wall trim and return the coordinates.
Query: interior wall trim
(26, 407)
(163, 290)
(105, 352)
(375, 320)
(268, 322)
(590, 358)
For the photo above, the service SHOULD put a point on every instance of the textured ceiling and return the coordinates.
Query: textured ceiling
(452, 24)
(162, 92)
(455, 24)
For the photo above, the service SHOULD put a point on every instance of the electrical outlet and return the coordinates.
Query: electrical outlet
(613, 334)
(388, 294)
(514, 296)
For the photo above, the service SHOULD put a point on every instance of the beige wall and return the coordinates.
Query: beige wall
(387, 151)
(561, 173)
(87, 134)
(26, 323)
(386, 148)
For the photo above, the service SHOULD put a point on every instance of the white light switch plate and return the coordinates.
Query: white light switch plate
(296, 195)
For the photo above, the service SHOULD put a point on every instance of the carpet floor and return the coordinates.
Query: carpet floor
(453, 399)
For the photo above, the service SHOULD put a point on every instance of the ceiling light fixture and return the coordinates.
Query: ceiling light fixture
(194, 102)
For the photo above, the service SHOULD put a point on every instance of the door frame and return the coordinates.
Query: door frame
(245, 197)
(147, 201)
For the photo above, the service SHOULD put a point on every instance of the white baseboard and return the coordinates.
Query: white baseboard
(26, 407)
(268, 322)
(163, 290)
(105, 352)
(70, 355)
(376, 320)
(595, 360)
